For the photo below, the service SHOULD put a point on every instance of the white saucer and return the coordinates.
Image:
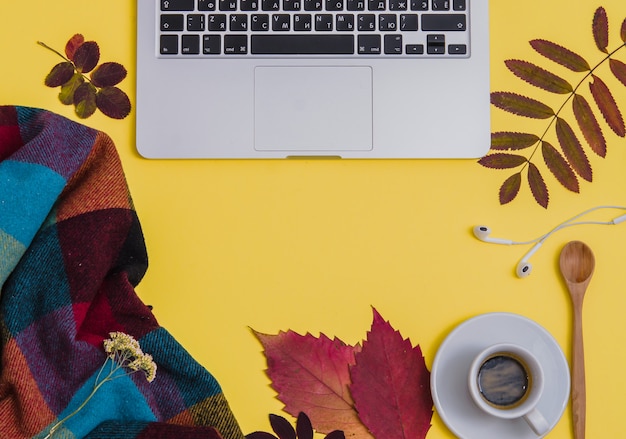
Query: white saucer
(448, 380)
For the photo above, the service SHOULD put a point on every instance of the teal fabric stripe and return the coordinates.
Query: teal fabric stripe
(27, 193)
(11, 250)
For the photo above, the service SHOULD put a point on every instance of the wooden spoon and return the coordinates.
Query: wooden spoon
(577, 264)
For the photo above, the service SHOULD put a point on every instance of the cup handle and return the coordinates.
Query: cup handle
(537, 422)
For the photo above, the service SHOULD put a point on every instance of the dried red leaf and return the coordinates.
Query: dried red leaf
(510, 188)
(113, 102)
(60, 74)
(73, 44)
(559, 167)
(86, 56)
(538, 77)
(538, 186)
(108, 74)
(521, 105)
(391, 385)
(337, 434)
(619, 70)
(622, 33)
(589, 125)
(607, 105)
(304, 427)
(260, 435)
(507, 140)
(573, 150)
(561, 55)
(312, 375)
(501, 160)
(282, 427)
(600, 28)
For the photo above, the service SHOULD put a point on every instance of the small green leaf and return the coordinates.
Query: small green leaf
(501, 160)
(113, 102)
(108, 74)
(73, 44)
(559, 167)
(589, 125)
(86, 56)
(506, 140)
(561, 55)
(521, 105)
(510, 188)
(619, 70)
(538, 186)
(66, 95)
(600, 28)
(607, 105)
(60, 74)
(538, 77)
(573, 150)
(85, 100)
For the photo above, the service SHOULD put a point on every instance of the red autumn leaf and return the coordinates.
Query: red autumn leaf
(391, 385)
(619, 69)
(538, 186)
(507, 140)
(501, 160)
(60, 74)
(282, 427)
(113, 102)
(108, 74)
(312, 375)
(561, 55)
(510, 188)
(304, 428)
(600, 28)
(589, 125)
(559, 167)
(538, 77)
(622, 33)
(87, 56)
(607, 105)
(521, 105)
(73, 44)
(573, 150)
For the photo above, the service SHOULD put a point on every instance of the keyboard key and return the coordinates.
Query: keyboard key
(190, 45)
(443, 22)
(312, 5)
(415, 49)
(177, 5)
(355, 5)
(302, 22)
(293, 44)
(398, 5)
(369, 45)
(235, 44)
(238, 22)
(387, 22)
(459, 5)
(419, 5)
(393, 44)
(457, 49)
(292, 5)
(436, 44)
(345, 22)
(172, 22)
(211, 44)
(249, 5)
(323, 22)
(260, 22)
(334, 5)
(206, 5)
(169, 44)
(195, 22)
(408, 22)
(281, 22)
(227, 5)
(366, 22)
(217, 22)
(441, 5)
(377, 5)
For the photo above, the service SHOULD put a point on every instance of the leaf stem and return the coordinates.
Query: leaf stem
(569, 97)
(42, 44)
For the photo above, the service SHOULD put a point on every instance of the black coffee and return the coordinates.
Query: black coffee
(503, 381)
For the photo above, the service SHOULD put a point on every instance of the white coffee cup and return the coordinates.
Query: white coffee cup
(506, 381)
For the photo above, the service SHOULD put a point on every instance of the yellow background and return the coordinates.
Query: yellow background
(312, 245)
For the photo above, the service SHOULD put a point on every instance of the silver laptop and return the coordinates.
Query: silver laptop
(303, 78)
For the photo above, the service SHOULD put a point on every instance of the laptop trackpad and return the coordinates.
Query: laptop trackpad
(299, 109)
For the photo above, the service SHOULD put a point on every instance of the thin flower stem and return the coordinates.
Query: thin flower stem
(42, 44)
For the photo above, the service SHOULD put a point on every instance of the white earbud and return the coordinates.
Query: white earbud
(524, 268)
(483, 232)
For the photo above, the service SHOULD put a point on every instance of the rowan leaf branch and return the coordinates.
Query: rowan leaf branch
(568, 162)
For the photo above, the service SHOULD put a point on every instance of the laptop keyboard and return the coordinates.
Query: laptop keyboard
(315, 28)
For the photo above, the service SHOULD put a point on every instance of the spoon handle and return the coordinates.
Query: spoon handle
(579, 399)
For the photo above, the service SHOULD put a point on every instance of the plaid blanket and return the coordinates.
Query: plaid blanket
(71, 253)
